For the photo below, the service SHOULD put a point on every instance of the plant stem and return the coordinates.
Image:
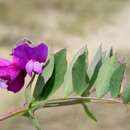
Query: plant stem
(72, 101)
(36, 124)
(34, 120)
(58, 103)
(11, 113)
(31, 81)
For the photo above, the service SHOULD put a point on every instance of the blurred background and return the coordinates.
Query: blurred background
(70, 24)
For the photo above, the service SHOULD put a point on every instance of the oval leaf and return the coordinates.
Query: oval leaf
(104, 76)
(79, 75)
(93, 69)
(57, 78)
(96, 60)
(49, 68)
(88, 112)
(38, 87)
(126, 94)
(76, 78)
(116, 80)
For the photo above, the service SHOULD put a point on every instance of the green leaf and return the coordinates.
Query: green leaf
(103, 56)
(30, 115)
(96, 60)
(76, 78)
(126, 94)
(116, 80)
(38, 87)
(104, 76)
(68, 85)
(88, 112)
(48, 70)
(109, 53)
(93, 69)
(79, 75)
(57, 78)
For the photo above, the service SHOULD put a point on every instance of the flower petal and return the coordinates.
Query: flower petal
(21, 54)
(41, 52)
(11, 77)
(29, 67)
(37, 68)
(3, 84)
(17, 84)
(25, 52)
(33, 66)
(9, 72)
(4, 62)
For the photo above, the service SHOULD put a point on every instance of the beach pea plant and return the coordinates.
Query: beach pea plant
(103, 77)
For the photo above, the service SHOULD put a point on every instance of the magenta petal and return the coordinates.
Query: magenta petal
(37, 67)
(33, 66)
(9, 72)
(17, 84)
(11, 77)
(21, 55)
(29, 67)
(41, 52)
(25, 52)
(4, 62)
(3, 84)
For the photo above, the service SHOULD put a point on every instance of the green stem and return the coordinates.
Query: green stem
(14, 112)
(58, 103)
(28, 92)
(72, 101)
(31, 81)
(34, 120)
(36, 124)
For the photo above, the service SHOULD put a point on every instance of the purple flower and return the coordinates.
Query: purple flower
(30, 57)
(26, 59)
(11, 77)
